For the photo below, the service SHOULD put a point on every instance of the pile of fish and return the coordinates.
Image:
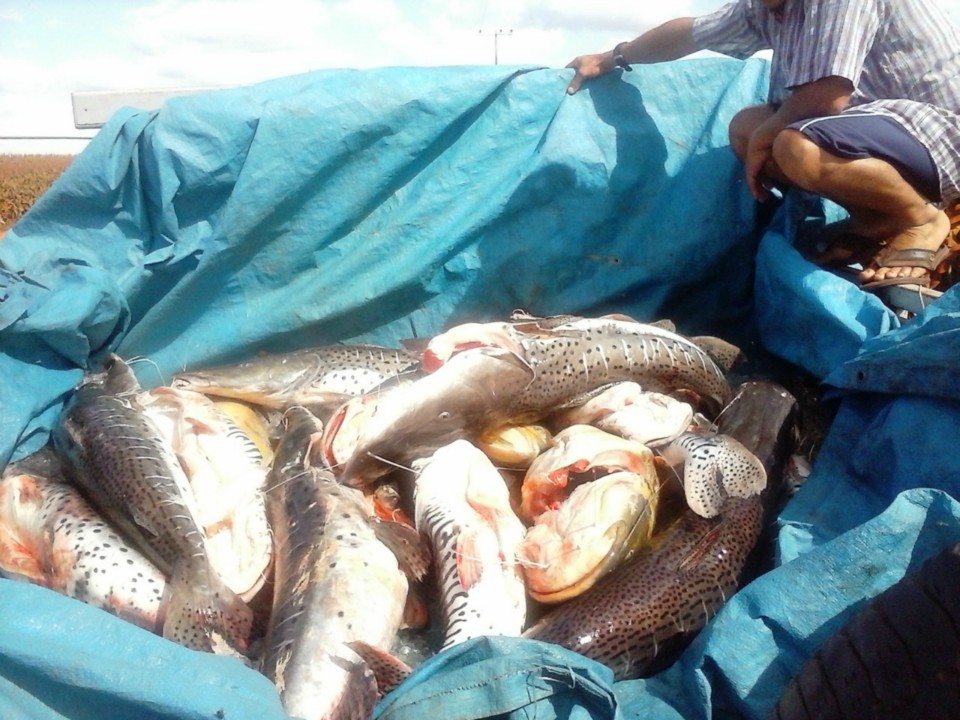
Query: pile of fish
(592, 482)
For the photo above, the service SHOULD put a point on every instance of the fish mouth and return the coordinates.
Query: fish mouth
(363, 470)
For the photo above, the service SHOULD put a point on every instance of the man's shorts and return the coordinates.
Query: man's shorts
(859, 135)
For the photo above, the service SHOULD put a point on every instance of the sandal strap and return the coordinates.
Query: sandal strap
(910, 257)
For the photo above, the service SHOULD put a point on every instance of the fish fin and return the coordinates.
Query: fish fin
(315, 456)
(583, 398)
(141, 520)
(361, 694)
(416, 609)
(469, 564)
(664, 324)
(726, 355)
(717, 467)
(388, 669)
(415, 344)
(410, 547)
(22, 533)
(536, 324)
(742, 472)
(22, 559)
(206, 615)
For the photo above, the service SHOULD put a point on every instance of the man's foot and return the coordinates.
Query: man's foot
(911, 254)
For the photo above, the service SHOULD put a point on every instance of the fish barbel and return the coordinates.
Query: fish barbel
(315, 377)
(51, 536)
(670, 590)
(335, 583)
(463, 506)
(561, 365)
(118, 457)
(227, 476)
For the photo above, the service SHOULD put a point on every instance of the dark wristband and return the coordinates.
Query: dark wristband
(618, 58)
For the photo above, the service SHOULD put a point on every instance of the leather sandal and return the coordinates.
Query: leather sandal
(924, 258)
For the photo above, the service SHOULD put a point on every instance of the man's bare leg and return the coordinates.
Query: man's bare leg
(881, 203)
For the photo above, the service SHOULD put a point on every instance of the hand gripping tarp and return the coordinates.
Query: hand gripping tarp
(386, 204)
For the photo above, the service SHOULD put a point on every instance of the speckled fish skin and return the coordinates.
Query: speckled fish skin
(480, 388)
(336, 583)
(715, 467)
(675, 587)
(315, 376)
(583, 354)
(118, 458)
(51, 536)
(462, 505)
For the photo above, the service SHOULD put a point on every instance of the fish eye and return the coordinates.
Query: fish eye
(444, 415)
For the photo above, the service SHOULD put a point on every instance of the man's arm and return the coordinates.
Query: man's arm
(826, 96)
(670, 41)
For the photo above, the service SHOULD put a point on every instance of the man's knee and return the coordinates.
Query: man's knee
(796, 156)
(744, 123)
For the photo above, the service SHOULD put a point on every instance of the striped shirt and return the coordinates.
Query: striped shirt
(902, 57)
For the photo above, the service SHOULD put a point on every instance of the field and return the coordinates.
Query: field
(24, 178)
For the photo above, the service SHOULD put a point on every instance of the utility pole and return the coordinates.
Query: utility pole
(496, 38)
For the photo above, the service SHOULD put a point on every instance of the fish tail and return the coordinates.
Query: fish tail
(206, 615)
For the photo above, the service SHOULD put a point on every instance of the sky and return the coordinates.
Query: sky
(51, 48)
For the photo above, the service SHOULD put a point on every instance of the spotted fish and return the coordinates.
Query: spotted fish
(319, 378)
(227, 477)
(669, 591)
(119, 459)
(561, 364)
(715, 467)
(51, 536)
(336, 583)
(462, 505)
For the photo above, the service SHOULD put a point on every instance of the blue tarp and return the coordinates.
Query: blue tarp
(386, 204)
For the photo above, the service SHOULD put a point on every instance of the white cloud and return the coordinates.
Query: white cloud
(183, 43)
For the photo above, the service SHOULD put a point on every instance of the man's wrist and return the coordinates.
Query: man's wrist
(618, 59)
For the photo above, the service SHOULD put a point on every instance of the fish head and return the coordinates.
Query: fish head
(466, 336)
(468, 394)
(299, 444)
(119, 378)
(342, 430)
(601, 524)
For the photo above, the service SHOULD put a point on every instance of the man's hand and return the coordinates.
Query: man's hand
(587, 67)
(759, 154)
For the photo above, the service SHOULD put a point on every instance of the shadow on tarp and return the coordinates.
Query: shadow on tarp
(359, 206)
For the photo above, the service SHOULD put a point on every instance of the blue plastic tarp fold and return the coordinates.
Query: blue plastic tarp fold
(378, 205)
(386, 204)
